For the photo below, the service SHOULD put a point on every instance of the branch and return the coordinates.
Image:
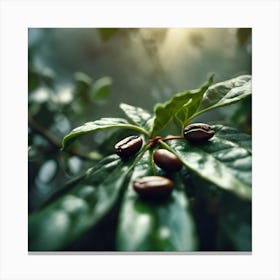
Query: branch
(53, 139)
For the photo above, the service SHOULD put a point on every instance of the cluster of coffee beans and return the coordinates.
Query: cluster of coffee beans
(157, 186)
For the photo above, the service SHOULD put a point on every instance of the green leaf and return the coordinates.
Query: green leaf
(83, 78)
(82, 87)
(231, 134)
(107, 33)
(101, 124)
(82, 82)
(225, 160)
(101, 89)
(138, 116)
(78, 209)
(224, 94)
(183, 104)
(149, 226)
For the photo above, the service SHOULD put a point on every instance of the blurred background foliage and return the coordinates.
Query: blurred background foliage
(79, 75)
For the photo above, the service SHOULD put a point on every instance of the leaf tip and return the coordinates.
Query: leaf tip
(62, 148)
(65, 143)
(211, 78)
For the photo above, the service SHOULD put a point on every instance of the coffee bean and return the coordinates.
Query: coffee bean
(128, 146)
(198, 132)
(153, 187)
(167, 160)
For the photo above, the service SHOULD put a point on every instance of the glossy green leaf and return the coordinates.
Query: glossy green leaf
(183, 104)
(225, 160)
(231, 134)
(138, 116)
(224, 93)
(78, 209)
(103, 123)
(150, 226)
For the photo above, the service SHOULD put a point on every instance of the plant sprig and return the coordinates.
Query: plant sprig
(223, 163)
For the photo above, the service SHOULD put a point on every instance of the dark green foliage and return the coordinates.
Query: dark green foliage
(222, 160)
(52, 109)
(66, 218)
(209, 208)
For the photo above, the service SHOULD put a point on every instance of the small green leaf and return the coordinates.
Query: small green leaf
(137, 115)
(225, 160)
(83, 78)
(82, 87)
(101, 89)
(78, 209)
(184, 104)
(224, 94)
(150, 226)
(104, 123)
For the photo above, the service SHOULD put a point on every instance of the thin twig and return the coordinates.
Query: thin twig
(53, 139)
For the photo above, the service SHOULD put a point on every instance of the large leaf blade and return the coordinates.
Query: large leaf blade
(101, 124)
(221, 161)
(184, 102)
(137, 115)
(79, 209)
(231, 134)
(146, 226)
(224, 94)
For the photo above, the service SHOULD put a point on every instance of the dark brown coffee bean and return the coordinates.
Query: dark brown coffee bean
(128, 146)
(198, 132)
(153, 187)
(166, 160)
